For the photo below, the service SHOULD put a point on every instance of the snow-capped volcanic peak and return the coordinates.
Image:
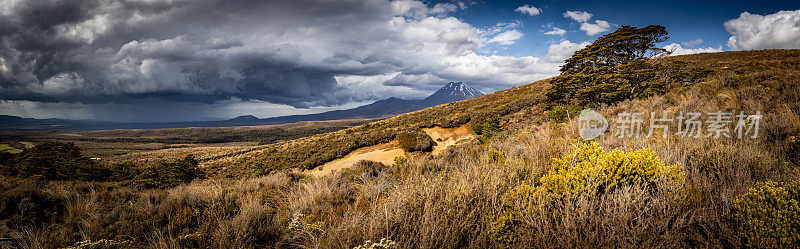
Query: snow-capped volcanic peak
(453, 91)
(458, 89)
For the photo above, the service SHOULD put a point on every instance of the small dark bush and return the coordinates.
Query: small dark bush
(793, 149)
(415, 142)
(368, 169)
(487, 126)
(165, 175)
(561, 113)
(54, 161)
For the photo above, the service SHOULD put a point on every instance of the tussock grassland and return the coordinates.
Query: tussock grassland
(458, 199)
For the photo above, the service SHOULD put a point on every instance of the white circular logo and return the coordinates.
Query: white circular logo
(591, 124)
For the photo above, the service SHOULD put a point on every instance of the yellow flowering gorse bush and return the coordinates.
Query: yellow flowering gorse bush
(588, 170)
(768, 215)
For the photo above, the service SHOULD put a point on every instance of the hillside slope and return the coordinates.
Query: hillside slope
(523, 103)
(312, 151)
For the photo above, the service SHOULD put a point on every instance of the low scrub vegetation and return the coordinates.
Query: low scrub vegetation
(487, 126)
(65, 162)
(53, 161)
(149, 146)
(170, 174)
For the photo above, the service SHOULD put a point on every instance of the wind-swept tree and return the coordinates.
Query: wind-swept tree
(611, 69)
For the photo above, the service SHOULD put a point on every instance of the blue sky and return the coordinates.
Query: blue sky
(685, 20)
(181, 60)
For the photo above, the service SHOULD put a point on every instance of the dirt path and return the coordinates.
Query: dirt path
(445, 137)
(384, 153)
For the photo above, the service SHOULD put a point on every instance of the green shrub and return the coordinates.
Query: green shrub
(415, 141)
(487, 126)
(165, 175)
(561, 113)
(54, 161)
(504, 229)
(588, 170)
(496, 156)
(768, 215)
(400, 160)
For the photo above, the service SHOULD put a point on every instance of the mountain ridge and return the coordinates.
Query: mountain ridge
(451, 92)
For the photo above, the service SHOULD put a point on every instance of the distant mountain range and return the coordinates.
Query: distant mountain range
(453, 91)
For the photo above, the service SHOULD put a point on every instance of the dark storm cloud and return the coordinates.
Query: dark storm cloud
(97, 51)
(302, 53)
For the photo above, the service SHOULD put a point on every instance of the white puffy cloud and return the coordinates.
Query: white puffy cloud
(441, 9)
(676, 49)
(599, 26)
(753, 31)
(409, 8)
(556, 31)
(583, 17)
(559, 52)
(503, 26)
(692, 43)
(506, 70)
(530, 10)
(579, 16)
(507, 38)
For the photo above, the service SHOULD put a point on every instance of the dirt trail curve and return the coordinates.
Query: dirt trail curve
(445, 137)
(386, 152)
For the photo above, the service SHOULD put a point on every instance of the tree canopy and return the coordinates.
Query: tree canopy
(613, 68)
